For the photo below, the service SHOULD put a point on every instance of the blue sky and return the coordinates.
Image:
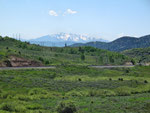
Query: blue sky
(107, 19)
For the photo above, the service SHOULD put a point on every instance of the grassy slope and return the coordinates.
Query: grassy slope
(57, 56)
(91, 90)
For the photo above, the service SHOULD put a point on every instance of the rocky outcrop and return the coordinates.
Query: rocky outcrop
(14, 61)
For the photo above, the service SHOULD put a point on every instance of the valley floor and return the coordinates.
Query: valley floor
(80, 89)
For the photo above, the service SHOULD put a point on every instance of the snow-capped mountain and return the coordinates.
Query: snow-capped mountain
(62, 38)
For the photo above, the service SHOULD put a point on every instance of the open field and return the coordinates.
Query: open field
(83, 89)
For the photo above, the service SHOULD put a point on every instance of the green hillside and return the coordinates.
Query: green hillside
(142, 55)
(59, 56)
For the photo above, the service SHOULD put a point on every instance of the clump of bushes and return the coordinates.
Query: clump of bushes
(13, 107)
(7, 107)
(66, 107)
(120, 79)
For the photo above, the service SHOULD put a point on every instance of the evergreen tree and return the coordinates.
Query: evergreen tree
(82, 57)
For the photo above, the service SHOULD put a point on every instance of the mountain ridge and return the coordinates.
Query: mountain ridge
(120, 44)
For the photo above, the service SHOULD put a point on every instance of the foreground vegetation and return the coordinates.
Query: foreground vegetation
(80, 89)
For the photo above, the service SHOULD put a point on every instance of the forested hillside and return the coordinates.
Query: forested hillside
(142, 55)
(120, 44)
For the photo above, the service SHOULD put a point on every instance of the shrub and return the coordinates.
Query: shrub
(46, 62)
(133, 61)
(66, 107)
(4, 95)
(79, 79)
(127, 71)
(13, 107)
(41, 59)
(145, 81)
(19, 53)
(7, 107)
(120, 79)
(82, 57)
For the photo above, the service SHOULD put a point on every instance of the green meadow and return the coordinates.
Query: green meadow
(75, 89)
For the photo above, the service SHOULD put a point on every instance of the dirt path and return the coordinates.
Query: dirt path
(119, 66)
(13, 68)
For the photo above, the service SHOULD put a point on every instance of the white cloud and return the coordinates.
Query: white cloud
(53, 13)
(69, 11)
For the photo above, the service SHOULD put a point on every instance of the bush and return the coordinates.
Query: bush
(66, 107)
(79, 79)
(7, 107)
(19, 53)
(145, 81)
(13, 107)
(120, 79)
(82, 57)
(4, 95)
(41, 59)
(46, 62)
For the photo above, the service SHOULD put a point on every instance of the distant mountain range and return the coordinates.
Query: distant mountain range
(62, 38)
(119, 44)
